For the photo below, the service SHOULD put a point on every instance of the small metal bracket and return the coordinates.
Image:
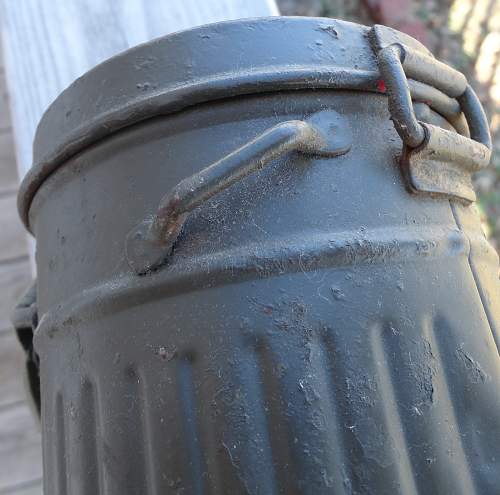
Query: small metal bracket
(443, 164)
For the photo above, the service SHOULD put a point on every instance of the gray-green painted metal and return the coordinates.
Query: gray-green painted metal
(320, 325)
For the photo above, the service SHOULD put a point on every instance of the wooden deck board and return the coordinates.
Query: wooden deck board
(8, 173)
(15, 278)
(5, 123)
(11, 370)
(13, 238)
(20, 442)
(20, 447)
(33, 487)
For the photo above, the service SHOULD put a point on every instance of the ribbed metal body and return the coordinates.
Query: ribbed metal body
(316, 329)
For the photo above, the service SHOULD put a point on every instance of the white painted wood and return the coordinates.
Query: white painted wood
(8, 172)
(12, 369)
(49, 43)
(4, 104)
(33, 487)
(15, 278)
(20, 448)
(13, 236)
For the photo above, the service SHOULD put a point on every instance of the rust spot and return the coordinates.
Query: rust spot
(381, 86)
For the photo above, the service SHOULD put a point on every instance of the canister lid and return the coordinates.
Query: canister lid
(210, 62)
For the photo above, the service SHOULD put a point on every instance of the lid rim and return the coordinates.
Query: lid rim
(174, 99)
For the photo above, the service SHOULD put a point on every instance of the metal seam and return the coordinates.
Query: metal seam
(475, 276)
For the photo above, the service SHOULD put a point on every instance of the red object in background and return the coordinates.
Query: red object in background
(399, 15)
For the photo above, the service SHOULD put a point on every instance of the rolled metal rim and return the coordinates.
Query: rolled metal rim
(232, 85)
(88, 121)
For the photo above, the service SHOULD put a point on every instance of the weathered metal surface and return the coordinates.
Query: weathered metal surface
(400, 105)
(324, 134)
(158, 85)
(397, 62)
(318, 329)
(434, 160)
(444, 164)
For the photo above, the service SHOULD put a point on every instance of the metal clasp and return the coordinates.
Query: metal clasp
(434, 160)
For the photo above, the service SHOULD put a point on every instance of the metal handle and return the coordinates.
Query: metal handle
(396, 62)
(428, 147)
(150, 243)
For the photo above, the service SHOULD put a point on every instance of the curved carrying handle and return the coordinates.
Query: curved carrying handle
(396, 62)
(434, 160)
(150, 243)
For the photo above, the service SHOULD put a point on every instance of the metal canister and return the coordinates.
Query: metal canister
(261, 270)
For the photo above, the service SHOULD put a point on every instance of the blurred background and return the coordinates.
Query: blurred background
(70, 36)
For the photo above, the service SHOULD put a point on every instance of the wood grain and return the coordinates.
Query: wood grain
(11, 370)
(20, 447)
(33, 487)
(49, 44)
(13, 238)
(15, 278)
(8, 173)
(4, 103)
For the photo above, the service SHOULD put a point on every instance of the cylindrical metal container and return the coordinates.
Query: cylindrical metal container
(260, 269)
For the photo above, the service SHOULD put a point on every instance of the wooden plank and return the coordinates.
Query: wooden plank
(15, 278)
(8, 171)
(4, 103)
(20, 447)
(2, 68)
(49, 44)
(13, 241)
(29, 488)
(12, 370)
